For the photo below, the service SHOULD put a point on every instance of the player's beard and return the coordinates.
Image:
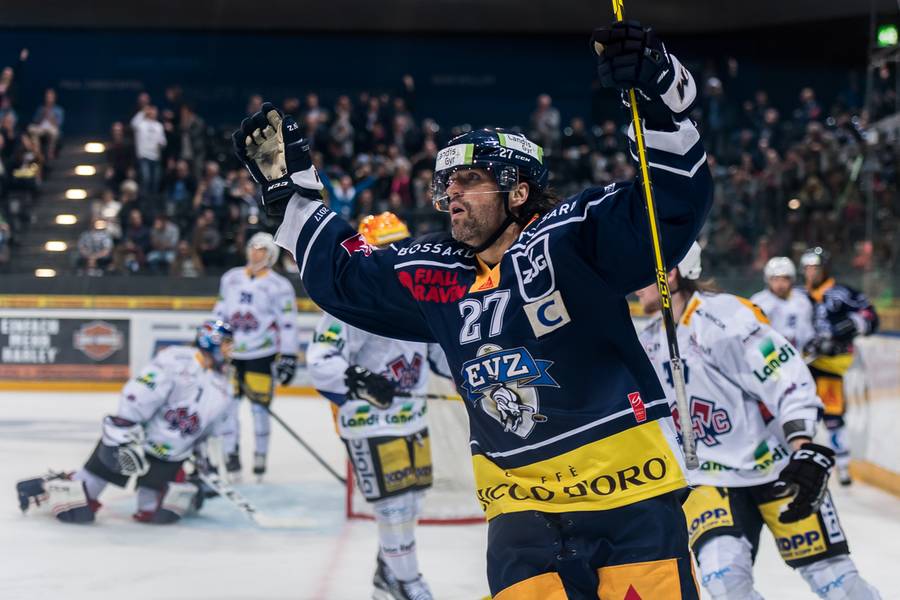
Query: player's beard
(480, 220)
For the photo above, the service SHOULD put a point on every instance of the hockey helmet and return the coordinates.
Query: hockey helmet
(266, 241)
(211, 336)
(815, 257)
(780, 266)
(381, 230)
(690, 267)
(509, 157)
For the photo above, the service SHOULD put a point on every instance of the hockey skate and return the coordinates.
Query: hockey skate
(844, 478)
(259, 466)
(388, 587)
(233, 467)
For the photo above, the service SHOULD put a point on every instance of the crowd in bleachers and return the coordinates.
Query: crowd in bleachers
(786, 177)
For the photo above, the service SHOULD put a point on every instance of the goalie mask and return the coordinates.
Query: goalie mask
(267, 242)
(215, 338)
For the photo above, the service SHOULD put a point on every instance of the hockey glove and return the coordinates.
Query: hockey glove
(122, 447)
(631, 56)
(363, 384)
(285, 368)
(271, 147)
(805, 476)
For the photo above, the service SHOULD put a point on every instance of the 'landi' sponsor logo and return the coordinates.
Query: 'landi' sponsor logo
(433, 285)
(98, 340)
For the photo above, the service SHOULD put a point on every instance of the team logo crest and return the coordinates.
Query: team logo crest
(709, 422)
(179, 419)
(406, 373)
(357, 243)
(534, 269)
(503, 383)
(243, 321)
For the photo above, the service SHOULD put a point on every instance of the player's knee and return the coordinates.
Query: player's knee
(726, 567)
(836, 578)
(397, 510)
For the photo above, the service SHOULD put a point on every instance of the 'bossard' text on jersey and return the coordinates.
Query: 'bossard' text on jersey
(565, 410)
(792, 317)
(336, 346)
(262, 310)
(748, 389)
(178, 402)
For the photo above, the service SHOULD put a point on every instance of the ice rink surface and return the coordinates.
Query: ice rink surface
(220, 555)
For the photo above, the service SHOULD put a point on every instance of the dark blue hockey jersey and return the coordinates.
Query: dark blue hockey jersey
(565, 411)
(840, 313)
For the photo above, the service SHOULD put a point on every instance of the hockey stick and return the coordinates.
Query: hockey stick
(312, 452)
(688, 443)
(426, 396)
(219, 486)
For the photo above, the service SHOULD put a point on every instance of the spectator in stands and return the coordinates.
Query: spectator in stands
(206, 239)
(5, 237)
(119, 157)
(211, 189)
(46, 125)
(149, 141)
(136, 231)
(192, 130)
(95, 248)
(128, 259)
(163, 241)
(545, 124)
(129, 196)
(180, 191)
(341, 198)
(186, 263)
(108, 209)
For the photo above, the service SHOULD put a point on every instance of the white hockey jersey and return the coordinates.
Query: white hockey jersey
(262, 310)
(337, 345)
(748, 388)
(178, 402)
(792, 317)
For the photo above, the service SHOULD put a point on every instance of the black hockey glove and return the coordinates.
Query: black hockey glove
(271, 147)
(363, 384)
(285, 368)
(631, 56)
(805, 476)
(820, 346)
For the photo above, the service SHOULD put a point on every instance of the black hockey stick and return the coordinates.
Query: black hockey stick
(309, 449)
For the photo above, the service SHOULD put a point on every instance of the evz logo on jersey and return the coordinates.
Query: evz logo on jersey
(243, 321)
(534, 269)
(503, 383)
(405, 373)
(179, 419)
(709, 422)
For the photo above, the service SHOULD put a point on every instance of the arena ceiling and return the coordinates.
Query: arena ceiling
(462, 16)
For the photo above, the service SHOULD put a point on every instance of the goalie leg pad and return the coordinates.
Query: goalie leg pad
(836, 578)
(98, 463)
(396, 518)
(726, 568)
(68, 501)
(166, 508)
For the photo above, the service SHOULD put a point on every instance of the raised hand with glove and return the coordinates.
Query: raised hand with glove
(285, 368)
(363, 384)
(272, 148)
(805, 476)
(631, 56)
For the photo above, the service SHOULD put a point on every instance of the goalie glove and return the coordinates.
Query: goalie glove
(285, 368)
(122, 447)
(270, 145)
(631, 56)
(363, 384)
(805, 476)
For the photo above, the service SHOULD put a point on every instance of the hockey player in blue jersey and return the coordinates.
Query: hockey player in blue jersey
(573, 446)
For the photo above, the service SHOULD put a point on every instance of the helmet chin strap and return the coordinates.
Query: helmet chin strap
(509, 220)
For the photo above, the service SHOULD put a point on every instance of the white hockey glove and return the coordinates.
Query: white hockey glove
(122, 447)
(270, 145)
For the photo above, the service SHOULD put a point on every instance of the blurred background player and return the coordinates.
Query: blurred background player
(386, 439)
(789, 310)
(261, 307)
(754, 412)
(840, 314)
(176, 402)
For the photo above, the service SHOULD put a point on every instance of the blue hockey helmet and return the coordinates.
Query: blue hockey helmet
(211, 336)
(509, 157)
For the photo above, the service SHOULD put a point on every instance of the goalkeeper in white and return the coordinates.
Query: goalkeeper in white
(369, 379)
(754, 411)
(164, 412)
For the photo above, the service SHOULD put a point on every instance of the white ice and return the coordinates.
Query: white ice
(220, 555)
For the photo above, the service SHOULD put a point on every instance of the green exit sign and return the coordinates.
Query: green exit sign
(887, 36)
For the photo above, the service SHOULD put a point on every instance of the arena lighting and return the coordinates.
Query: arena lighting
(794, 203)
(66, 219)
(55, 246)
(887, 36)
(94, 148)
(76, 194)
(45, 273)
(85, 170)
